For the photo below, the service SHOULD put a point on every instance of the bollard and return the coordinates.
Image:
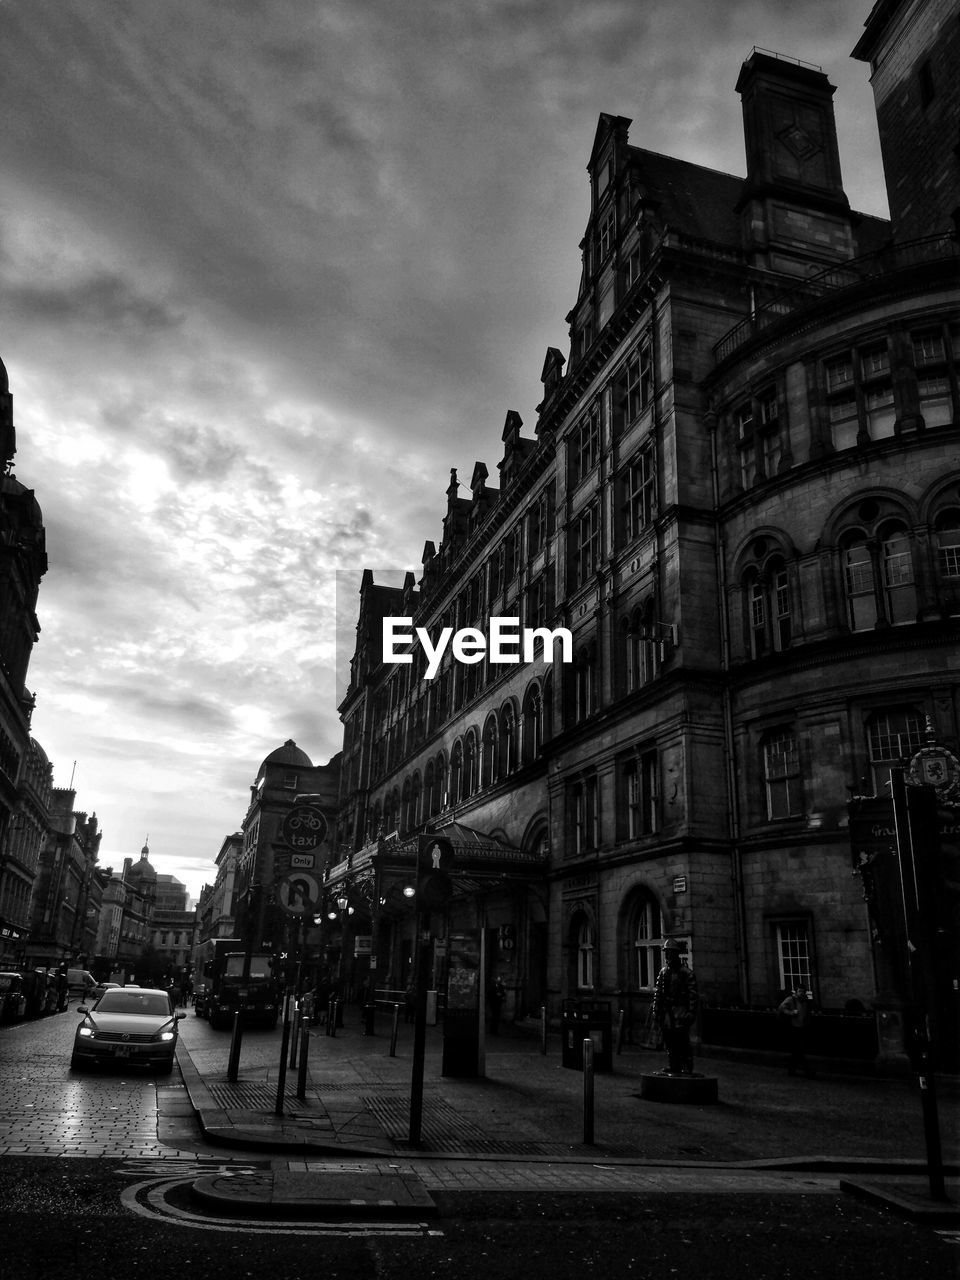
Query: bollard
(621, 1030)
(282, 1072)
(302, 1070)
(395, 1031)
(543, 1028)
(588, 1092)
(294, 1036)
(233, 1063)
(332, 1016)
(369, 1016)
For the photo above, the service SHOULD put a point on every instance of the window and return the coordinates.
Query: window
(584, 814)
(893, 736)
(490, 760)
(768, 608)
(585, 444)
(756, 423)
(586, 545)
(537, 525)
(537, 602)
(605, 236)
(648, 944)
(639, 494)
(632, 387)
(508, 740)
(793, 954)
(947, 531)
(900, 596)
(872, 415)
(933, 378)
(781, 775)
(456, 774)
(531, 726)
(470, 765)
(639, 799)
(859, 584)
(644, 647)
(289, 782)
(585, 683)
(585, 955)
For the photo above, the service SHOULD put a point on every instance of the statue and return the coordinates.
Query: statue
(675, 1004)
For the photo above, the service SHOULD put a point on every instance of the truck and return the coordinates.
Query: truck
(226, 989)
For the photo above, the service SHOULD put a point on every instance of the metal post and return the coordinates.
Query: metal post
(282, 1071)
(419, 1038)
(332, 1016)
(588, 1092)
(919, 962)
(294, 1035)
(233, 1062)
(543, 1029)
(621, 1030)
(395, 1031)
(302, 1070)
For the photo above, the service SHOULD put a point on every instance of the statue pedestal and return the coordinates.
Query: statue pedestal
(694, 1088)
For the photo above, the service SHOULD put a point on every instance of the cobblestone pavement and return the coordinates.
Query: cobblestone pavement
(45, 1109)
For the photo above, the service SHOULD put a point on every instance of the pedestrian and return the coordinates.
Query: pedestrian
(186, 990)
(794, 1010)
(675, 1004)
(306, 1007)
(498, 993)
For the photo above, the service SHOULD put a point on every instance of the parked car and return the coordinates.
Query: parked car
(13, 997)
(129, 1025)
(80, 981)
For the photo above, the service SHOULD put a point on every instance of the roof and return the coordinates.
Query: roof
(288, 754)
(691, 199)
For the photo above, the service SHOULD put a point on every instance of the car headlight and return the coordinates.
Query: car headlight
(85, 1031)
(167, 1035)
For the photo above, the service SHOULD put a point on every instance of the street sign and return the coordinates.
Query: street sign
(302, 861)
(299, 893)
(304, 828)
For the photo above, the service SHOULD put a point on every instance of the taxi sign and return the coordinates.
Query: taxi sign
(304, 828)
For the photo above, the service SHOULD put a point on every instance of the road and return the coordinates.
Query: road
(88, 1190)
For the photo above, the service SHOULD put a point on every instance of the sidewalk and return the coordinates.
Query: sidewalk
(529, 1111)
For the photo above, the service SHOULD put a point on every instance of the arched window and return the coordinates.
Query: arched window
(899, 589)
(860, 587)
(546, 713)
(586, 954)
(429, 791)
(415, 793)
(405, 823)
(947, 531)
(470, 763)
(508, 740)
(768, 609)
(532, 724)
(489, 762)
(440, 799)
(456, 773)
(647, 942)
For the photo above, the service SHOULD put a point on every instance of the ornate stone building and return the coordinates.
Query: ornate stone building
(742, 498)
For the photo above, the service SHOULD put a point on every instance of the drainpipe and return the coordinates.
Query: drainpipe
(734, 825)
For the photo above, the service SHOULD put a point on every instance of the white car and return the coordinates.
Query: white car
(128, 1025)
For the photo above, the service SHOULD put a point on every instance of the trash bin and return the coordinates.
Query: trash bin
(586, 1020)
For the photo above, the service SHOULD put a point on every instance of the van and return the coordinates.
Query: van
(79, 981)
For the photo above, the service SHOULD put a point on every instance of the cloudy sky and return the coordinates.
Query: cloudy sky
(268, 269)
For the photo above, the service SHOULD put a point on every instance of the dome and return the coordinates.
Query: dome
(288, 755)
(143, 869)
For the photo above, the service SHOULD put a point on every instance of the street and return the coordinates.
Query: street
(88, 1190)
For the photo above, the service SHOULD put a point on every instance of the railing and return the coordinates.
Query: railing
(894, 257)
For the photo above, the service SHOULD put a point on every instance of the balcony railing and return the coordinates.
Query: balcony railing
(844, 275)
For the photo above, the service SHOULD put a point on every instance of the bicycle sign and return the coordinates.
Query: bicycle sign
(303, 828)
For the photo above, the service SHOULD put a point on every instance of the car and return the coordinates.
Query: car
(13, 997)
(96, 992)
(80, 982)
(127, 1025)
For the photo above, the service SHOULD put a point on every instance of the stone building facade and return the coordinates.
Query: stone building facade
(742, 500)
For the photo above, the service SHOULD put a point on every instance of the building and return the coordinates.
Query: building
(67, 894)
(23, 562)
(286, 780)
(742, 501)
